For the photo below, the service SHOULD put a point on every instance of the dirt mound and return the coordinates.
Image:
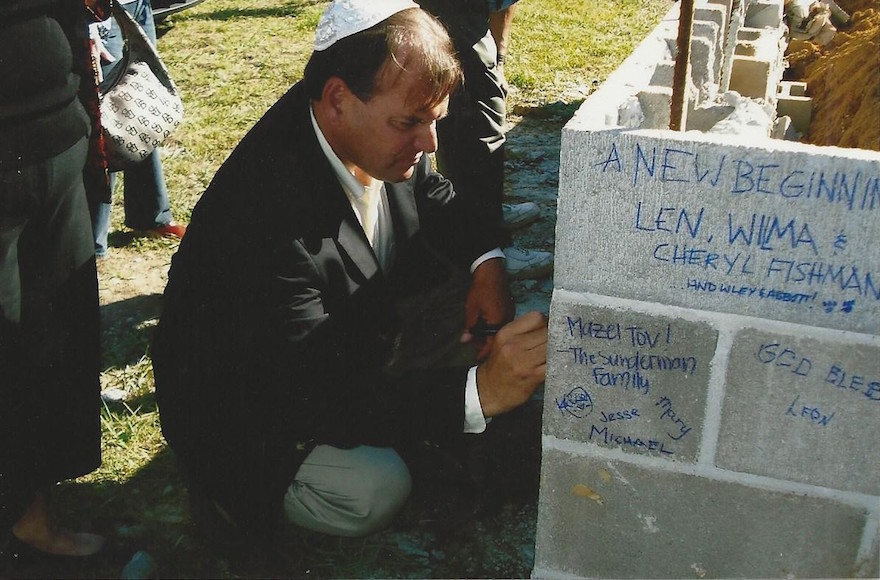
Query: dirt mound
(843, 78)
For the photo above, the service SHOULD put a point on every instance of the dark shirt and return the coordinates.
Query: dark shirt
(40, 115)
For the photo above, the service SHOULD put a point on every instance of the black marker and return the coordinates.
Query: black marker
(483, 328)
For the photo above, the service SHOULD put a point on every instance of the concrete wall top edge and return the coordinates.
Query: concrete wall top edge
(584, 124)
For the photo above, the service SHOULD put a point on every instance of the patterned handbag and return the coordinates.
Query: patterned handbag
(140, 105)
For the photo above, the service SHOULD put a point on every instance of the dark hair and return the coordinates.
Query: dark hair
(409, 41)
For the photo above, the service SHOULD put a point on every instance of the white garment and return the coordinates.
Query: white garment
(370, 203)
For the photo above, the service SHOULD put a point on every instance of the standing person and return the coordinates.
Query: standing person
(472, 137)
(279, 355)
(147, 208)
(501, 15)
(49, 325)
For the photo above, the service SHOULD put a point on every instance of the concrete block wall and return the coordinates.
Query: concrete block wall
(712, 403)
(792, 101)
(733, 48)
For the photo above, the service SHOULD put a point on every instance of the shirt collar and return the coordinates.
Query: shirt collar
(346, 178)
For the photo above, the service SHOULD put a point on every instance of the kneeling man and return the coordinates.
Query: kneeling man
(278, 355)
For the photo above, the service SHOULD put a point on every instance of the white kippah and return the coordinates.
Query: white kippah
(346, 17)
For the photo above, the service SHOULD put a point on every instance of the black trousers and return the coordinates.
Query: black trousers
(49, 331)
(471, 138)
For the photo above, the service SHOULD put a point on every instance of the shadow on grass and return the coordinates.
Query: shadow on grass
(453, 526)
(127, 328)
(120, 238)
(287, 10)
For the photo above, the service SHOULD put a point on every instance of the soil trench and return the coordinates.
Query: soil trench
(843, 79)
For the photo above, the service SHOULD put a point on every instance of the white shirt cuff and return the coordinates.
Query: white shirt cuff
(474, 422)
(496, 253)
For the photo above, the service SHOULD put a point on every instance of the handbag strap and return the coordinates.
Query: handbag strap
(137, 47)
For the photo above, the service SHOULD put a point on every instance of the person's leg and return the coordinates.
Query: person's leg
(146, 196)
(100, 214)
(49, 355)
(18, 200)
(348, 492)
(59, 351)
(146, 202)
(471, 138)
(142, 12)
(471, 154)
(500, 25)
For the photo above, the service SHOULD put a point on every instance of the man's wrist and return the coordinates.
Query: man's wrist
(491, 271)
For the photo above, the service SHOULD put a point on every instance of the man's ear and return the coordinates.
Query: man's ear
(335, 96)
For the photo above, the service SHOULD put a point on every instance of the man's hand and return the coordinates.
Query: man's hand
(488, 299)
(516, 365)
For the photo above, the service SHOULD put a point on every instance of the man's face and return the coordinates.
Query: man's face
(386, 136)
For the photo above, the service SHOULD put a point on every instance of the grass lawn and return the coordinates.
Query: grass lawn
(231, 60)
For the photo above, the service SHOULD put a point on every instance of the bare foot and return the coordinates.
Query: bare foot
(35, 529)
(65, 543)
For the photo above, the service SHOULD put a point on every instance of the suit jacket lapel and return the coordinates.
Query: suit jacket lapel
(353, 240)
(330, 202)
(349, 234)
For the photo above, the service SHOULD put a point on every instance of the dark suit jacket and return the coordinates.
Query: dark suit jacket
(277, 318)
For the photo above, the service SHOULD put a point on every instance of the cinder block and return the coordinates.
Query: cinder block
(745, 49)
(707, 29)
(793, 88)
(656, 103)
(764, 14)
(765, 229)
(599, 518)
(803, 409)
(749, 34)
(750, 77)
(627, 381)
(783, 129)
(727, 5)
(760, 44)
(791, 101)
(711, 31)
(703, 67)
(663, 74)
(714, 13)
(705, 117)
